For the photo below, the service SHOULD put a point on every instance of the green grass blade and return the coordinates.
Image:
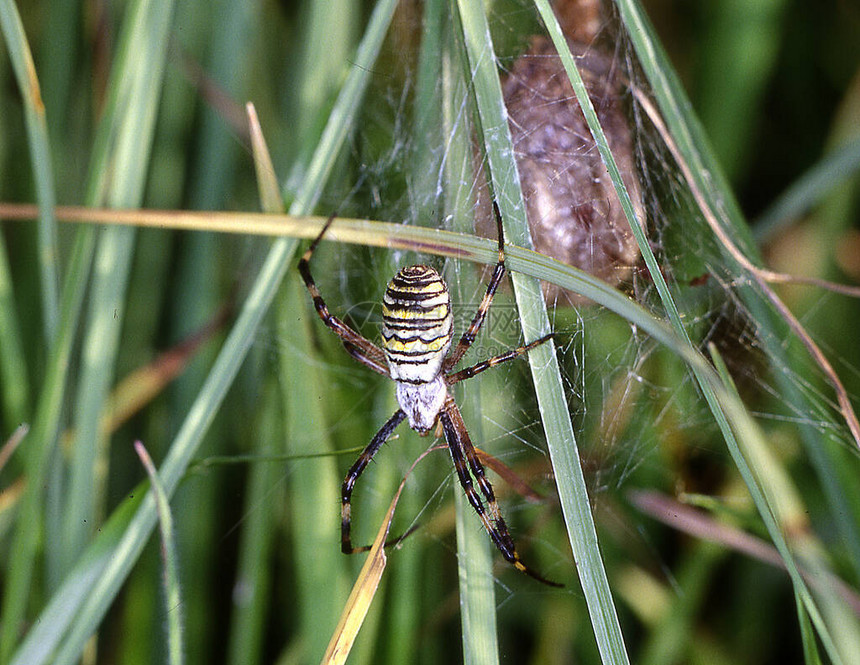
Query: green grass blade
(546, 375)
(58, 52)
(328, 33)
(740, 47)
(214, 163)
(13, 366)
(807, 632)
(708, 179)
(81, 619)
(229, 32)
(46, 634)
(319, 562)
(126, 135)
(344, 111)
(16, 391)
(477, 597)
(40, 155)
(253, 575)
(172, 594)
(781, 508)
(474, 555)
(85, 618)
(248, 620)
(833, 169)
(43, 436)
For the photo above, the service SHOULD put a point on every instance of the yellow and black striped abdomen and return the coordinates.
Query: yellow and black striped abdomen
(417, 324)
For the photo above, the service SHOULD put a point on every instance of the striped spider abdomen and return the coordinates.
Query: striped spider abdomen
(417, 328)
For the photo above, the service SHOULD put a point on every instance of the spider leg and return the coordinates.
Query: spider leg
(373, 363)
(469, 372)
(463, 453)
(352, 476)
(470, 334)
(363, 350)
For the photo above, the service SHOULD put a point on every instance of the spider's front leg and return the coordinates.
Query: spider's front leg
(489, 363)
(471, 332)
(363, 350)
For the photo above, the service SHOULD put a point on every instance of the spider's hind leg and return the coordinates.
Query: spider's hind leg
(463, 454)
(352, 476)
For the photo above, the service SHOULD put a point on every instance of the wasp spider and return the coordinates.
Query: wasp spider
(417, 332)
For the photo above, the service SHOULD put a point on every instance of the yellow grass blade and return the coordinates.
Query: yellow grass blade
(361, 596)
(365, 586)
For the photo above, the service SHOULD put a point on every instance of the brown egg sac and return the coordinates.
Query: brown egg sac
(573, 212)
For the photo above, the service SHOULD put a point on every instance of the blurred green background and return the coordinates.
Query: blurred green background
(776, 85)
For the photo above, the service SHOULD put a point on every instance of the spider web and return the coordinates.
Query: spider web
(640, 419)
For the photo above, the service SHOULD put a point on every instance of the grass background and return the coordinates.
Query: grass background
(130, 120)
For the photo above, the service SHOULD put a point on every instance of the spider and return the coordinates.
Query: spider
(417, 331)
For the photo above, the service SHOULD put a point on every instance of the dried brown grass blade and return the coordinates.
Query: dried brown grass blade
(140, 387)
(698, 524)
(761, 276)
(12, 443)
